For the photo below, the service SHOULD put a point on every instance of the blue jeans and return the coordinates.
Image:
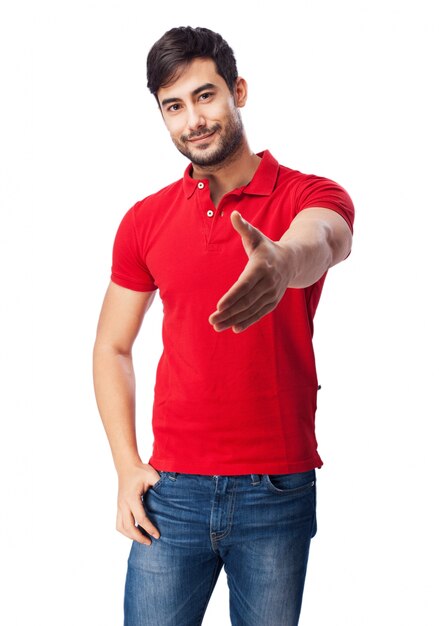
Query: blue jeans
(258, 526)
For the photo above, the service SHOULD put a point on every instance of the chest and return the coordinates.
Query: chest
(192, 248)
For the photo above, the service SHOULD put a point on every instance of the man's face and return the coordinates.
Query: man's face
(201, 115)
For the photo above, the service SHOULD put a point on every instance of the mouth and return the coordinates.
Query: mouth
(202, 138)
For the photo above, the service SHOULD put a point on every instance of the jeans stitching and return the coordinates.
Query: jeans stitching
(291, 491)
(229, 519)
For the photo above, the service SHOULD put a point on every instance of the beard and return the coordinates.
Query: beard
(229, 142)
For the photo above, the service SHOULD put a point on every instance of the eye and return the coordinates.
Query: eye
(206, 95)
(173, 108)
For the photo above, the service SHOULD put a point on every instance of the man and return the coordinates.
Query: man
(239, 249)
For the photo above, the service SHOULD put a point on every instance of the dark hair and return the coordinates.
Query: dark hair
(179, 46)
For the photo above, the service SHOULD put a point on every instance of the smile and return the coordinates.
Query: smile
(201, 139)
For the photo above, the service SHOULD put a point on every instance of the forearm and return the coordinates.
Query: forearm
(114, 383)
(310, 254)
(313, 246)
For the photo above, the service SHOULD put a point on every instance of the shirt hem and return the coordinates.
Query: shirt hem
(234, 469)
(332, 207)
(128, 284)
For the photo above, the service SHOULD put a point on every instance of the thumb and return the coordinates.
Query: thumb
(251, 236)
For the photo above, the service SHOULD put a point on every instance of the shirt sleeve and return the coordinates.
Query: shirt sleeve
(129, 268)
(316, 191)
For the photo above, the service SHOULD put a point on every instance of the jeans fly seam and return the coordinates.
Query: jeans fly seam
(229, 518)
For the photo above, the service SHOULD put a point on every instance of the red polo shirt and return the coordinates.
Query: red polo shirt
(227, 403)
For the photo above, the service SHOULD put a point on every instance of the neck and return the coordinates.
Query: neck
(236, 171)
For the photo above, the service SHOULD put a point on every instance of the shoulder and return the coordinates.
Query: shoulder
(302, 183)
(157, 200)
(311, 190)
(298, 179)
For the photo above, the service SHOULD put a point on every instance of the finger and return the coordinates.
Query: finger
(245, 283)
(251, 235)
(256, 297)
(125, 524)
(143, 520)
(239, 327)
(260, 307)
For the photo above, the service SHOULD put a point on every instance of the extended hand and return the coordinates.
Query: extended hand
(262, 283)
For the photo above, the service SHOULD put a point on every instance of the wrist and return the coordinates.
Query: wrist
(127, 463)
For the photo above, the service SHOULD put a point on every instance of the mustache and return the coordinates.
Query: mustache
(201, 132)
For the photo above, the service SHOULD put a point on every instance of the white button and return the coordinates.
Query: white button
(209, 213)
(200, 185)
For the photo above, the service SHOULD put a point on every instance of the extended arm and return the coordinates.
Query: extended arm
(317, 239)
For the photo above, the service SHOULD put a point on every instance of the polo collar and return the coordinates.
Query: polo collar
(262, 183)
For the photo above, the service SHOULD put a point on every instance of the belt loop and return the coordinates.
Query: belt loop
(172, 475)
(256, 479)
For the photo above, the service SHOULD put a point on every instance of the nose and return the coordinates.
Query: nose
(195, 119)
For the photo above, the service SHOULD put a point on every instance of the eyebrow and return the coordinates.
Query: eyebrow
(194, 93)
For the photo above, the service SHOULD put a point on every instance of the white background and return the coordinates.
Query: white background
(341, 89)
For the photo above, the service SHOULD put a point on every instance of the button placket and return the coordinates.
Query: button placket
(210, 214)
(215, 214)
(203, 201)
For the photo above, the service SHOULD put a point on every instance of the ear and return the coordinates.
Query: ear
(240, 92)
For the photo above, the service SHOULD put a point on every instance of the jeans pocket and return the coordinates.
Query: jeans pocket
(295, 483)
(159, 482)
